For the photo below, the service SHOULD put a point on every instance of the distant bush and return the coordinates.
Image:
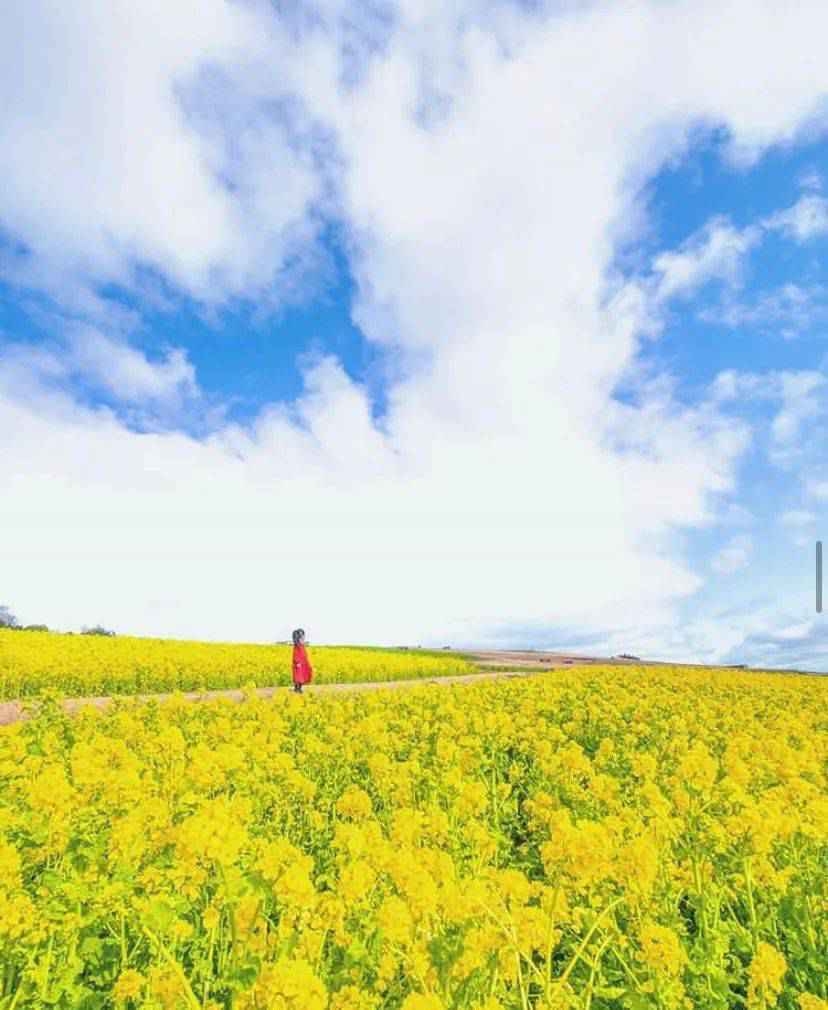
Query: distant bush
(10, 622)
(7, 618)
(98, 630)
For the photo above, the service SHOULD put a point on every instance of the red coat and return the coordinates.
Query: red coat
(302, 670)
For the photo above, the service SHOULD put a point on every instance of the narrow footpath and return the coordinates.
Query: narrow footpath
(15, 711)
(519, 664)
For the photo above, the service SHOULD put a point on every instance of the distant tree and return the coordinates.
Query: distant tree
(97, 630)
(7, 618)
(34, 627)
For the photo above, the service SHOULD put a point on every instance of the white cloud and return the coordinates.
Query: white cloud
(789, 310)
(506, 485)
(144, 394)
(736, 515)
(716, 253)
(817, 489)
(797, 517)
(795, 631)
(734, 556)
(802, 396)
(126, 372)
(811, 180)
(806, 219)
(103, 165)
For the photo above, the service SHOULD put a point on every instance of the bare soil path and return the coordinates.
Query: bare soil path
(15, 711)
(519, 664)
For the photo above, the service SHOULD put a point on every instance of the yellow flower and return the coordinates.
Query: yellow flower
(473, 799)
(129, 985)
(351, 997)
(644, 765)
(698, 768)
(289, 985)
(766, 972)
(295, 888)
(276, 856)
(418, 1001)
(807, 1001)
(9, 866)
(246, 913)
(182, 930)
(354, 803)
(513, 886)
(394, 919)
(166, 987)
(18, 918)
(356, 881)
(661, 949)
(534, 930)
(637, 865)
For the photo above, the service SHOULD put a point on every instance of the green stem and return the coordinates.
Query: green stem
(16, 997)
(751, 906)
(626, 967)
(321, 950)
(595, 962)
(549, 934)
(495, 979)
(524, 997)
(496, 812)
(173, 963)
(209, 972)
(560, 981)
(45, 981)
(700, 891)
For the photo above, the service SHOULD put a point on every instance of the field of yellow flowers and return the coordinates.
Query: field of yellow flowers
(594, 838)
(83, 665)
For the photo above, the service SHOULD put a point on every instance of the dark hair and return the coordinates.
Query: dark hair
(299, 633)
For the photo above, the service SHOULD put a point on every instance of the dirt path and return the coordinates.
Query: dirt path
(522, 664)
(13, 711)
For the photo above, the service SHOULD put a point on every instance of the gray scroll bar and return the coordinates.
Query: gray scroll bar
(819, 576)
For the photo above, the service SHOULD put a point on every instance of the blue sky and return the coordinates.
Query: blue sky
(406, 379)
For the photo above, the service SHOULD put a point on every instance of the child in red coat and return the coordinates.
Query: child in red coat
(302, 670)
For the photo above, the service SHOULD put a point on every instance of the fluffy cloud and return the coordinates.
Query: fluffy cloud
(148, 393)
(817, 489)
(484, 179)
(109, 163)
(733, 556)
(797, 427)
(789, 310)
(718, 252)
(806, 219)
(797, 517)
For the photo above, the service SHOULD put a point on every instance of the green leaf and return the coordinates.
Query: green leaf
(243, 976)
(160, 915)
(357, 952)
(86, 999)
(90, 947)
(636, 1001)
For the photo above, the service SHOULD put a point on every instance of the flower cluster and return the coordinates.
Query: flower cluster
(595, 837)
(89, 665)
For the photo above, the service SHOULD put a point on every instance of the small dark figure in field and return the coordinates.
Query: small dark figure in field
(302, 670)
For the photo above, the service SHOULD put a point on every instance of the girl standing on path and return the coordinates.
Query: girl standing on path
(302, 670)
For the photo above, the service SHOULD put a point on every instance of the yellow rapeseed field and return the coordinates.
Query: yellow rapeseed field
(599, 838)
(81, 665)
